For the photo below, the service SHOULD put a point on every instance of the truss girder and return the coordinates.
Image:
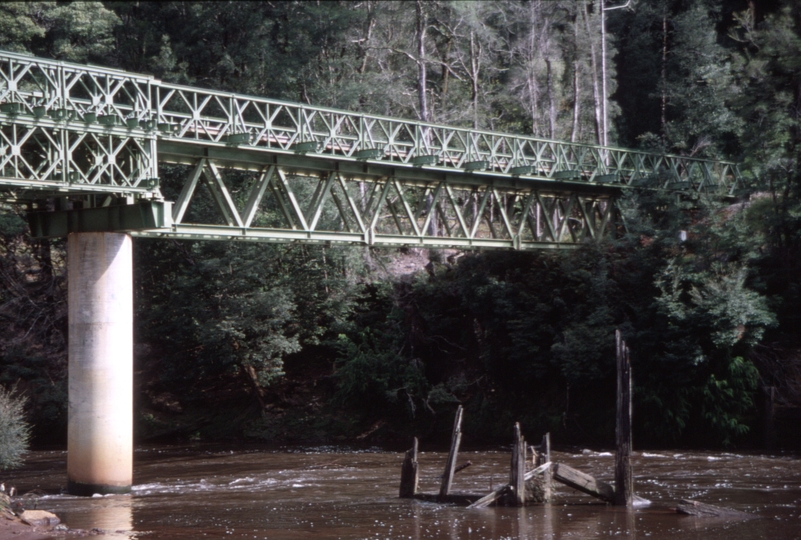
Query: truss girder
(265, 206)
(50, 157)
(77, 124)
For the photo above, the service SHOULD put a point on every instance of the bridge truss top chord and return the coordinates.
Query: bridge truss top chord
(280, 171)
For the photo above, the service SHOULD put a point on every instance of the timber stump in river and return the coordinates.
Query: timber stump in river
(539, 488)
(409, 473)
(517, 482)
(450, 466)
(624, 481)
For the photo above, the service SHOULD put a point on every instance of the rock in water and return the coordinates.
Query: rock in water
(39, 518)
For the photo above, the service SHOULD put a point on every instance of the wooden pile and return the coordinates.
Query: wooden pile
(410, 472)
(535, 486)
(539, 480)
(523, 488)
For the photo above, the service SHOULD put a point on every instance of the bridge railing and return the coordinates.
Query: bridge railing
(211, 117)
(111, 115)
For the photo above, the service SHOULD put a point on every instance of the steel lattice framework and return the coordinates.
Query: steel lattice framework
(95, 139)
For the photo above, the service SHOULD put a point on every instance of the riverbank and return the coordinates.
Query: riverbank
(12, 527)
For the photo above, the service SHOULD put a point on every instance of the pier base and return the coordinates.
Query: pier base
(100, 426)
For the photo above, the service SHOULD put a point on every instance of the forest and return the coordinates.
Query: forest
(310, 344)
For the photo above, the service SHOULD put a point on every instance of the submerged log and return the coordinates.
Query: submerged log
(583, 482)
(409, 473)
(462, 499)
(695, 508)
(490, 498)
(450, 466)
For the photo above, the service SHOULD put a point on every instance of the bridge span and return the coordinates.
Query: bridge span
(100, 155)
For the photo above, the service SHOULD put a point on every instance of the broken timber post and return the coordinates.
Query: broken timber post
(542, 457)
(518, 469)
(450, 466)
(624, 488)
(583, 482)
(409, 473)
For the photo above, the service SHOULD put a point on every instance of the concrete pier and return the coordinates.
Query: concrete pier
(100, 428)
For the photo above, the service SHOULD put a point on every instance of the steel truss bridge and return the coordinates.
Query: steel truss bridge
(92, 149)
(102, 155)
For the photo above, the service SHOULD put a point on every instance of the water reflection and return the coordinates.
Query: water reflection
(425, 521)
(545, 529)
(111, 516)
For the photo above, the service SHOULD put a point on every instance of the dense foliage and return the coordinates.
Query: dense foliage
(335, 340)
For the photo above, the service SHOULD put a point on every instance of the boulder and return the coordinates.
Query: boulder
(39, 518)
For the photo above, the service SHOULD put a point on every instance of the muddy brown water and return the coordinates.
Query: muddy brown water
(214, 493)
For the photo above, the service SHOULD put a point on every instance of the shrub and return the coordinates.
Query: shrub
(14, 430)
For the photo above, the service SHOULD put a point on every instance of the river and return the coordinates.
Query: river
(212, 492)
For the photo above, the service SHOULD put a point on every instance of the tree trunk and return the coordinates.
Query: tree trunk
(533, 90)
(41, 249)
(446, 73)
(576, 88)
(663, 108)
(551, 103)
(604, 116)
(475, 67)
(253, 378)
(370, 24)
(595, 91)
(420, 42)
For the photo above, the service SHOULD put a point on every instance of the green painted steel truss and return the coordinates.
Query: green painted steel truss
(276, 204)
(99, 137)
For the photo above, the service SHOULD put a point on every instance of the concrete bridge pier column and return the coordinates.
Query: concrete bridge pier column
(100, 425)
